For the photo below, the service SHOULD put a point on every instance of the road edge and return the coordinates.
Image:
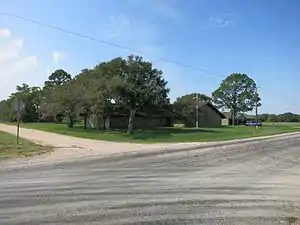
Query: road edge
(167, 150)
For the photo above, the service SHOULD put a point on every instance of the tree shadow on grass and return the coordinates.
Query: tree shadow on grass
(167, 133)
(163, 133)
(173, 130)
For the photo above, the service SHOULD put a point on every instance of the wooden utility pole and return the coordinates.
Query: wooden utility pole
(256, 107)
(18, 126)
(197, 110)
(19, 106)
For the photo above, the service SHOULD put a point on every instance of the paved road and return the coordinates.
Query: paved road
(246, 184)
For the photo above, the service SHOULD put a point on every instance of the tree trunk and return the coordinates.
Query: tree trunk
(58, 118)
(107, 123)
(103, 123)
(97, 121)
(130, 121)
(85, 121)
(71, 122)
(233, 117)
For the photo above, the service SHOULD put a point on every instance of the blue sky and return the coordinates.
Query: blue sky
(259, 38)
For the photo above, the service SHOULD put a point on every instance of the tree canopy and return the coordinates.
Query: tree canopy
(141, 85)
(284, 117)
(126, 86)
(237, 93)
(57, 78)
(185, 105)
(30, 96)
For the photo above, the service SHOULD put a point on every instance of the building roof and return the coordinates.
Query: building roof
(227, 114)
(209, 104)
(239, 115)
(249, 116)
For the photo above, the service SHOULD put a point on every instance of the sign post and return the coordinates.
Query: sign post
(19, 106)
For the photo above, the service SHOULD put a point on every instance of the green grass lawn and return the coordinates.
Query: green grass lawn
(167, 134)
(294, 124)
(10, 149)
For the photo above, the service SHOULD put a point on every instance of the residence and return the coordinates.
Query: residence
(120, 121)
(209, 116)
(241, 119)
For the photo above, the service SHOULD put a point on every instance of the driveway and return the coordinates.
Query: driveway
(72, 148)
(254, 183)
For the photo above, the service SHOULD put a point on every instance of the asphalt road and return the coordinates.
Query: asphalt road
(245, 184)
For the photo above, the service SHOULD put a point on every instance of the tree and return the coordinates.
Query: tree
(31, 97)
(141, 85)
(107, 77)
(98, 90)
(186, 106)
(48, 106)
(287, 117)
(272, 118)
(236, 93)
(6, 111)
(84, 86)
(264, 117)
(57, 78)
(189, 99)
(67, 100)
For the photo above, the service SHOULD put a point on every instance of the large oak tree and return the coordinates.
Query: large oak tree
(236, 93)
(141, 85)
(50, 106)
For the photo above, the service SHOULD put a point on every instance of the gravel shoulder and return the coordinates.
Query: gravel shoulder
(72, 148)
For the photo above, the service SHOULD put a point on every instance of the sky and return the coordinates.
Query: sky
(213, 37)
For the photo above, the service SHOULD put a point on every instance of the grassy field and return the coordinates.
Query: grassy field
(10, 149)
(293, 124)
(168, 134)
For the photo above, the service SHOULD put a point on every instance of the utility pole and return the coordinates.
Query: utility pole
(197, 110)
(256, 106)
(18, 127)
(18, 106)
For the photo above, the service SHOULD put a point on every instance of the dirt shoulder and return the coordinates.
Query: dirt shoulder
(71, 148)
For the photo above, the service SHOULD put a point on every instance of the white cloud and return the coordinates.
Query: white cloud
(14, 67)
(10, 50)
(126, 31)
(168, 9)
(117, 25)
(4, 32)
(30, 62)
(58, 56)
(220, 22)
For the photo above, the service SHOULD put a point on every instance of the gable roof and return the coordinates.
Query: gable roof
(227, 114)
(248, 116)
(239, 115)
(210, 105)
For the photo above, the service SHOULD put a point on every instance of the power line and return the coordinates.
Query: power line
(107, 43)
